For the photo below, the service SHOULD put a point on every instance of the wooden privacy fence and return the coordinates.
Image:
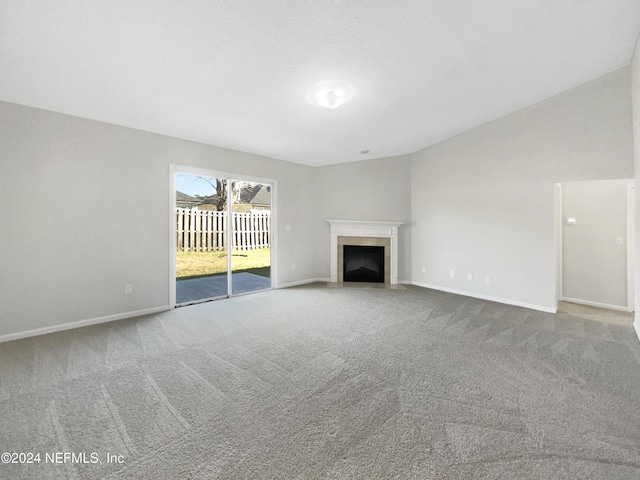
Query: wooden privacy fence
(204, 230)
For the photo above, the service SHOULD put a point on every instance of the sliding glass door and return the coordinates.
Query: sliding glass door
(223, 237)
(250, 238)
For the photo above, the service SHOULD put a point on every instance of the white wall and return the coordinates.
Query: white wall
(594, 265)
(635, 93)
(378, 189)
(85, 211)
(483, 202)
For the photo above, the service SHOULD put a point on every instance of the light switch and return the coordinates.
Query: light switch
(287, 227)
(571, 220)
(619, 241)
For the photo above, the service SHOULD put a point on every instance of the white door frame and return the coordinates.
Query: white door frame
(557, 192)
(631, 243)
(203, 172)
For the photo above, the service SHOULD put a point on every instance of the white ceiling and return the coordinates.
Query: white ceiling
(236, 73)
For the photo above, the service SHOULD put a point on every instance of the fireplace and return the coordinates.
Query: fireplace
(363, 264)
(346, 233)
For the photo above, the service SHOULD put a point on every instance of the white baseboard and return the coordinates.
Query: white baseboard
(80, 323)
(594, 304)
(636, 326)
(486, 297)
(303, 282)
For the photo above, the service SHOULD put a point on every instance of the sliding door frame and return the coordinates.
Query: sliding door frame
(203, 172)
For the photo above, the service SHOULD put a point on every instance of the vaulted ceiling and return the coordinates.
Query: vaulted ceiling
(237, 73)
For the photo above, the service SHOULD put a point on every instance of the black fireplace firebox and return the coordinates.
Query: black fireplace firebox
(363, 264)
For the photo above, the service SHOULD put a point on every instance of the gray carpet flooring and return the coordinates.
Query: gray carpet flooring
(315, 382)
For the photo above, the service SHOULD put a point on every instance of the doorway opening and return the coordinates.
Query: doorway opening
(595, 243)
(222, 236)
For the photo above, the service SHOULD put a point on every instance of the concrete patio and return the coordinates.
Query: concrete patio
(212, 286)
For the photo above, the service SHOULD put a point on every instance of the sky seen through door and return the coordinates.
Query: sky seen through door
(194, 185)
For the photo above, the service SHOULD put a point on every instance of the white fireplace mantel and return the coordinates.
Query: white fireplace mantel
(359, 228)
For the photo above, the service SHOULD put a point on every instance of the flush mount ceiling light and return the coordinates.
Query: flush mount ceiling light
(330, 94)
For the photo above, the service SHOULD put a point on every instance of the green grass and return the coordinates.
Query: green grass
(198, 264)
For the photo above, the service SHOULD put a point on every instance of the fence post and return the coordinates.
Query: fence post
(180, 228)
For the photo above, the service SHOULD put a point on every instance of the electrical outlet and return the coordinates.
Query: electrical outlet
(128, 289)
(452, 273)
(287, 227)
(487, 279)
(424, 269)
(293, 267)
(470, 276)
